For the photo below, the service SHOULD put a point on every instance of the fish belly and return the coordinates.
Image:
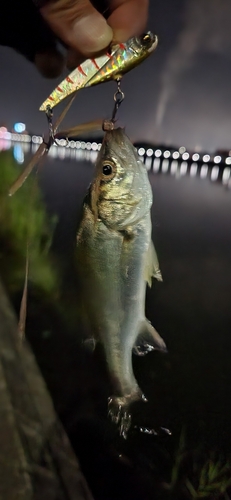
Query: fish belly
(111, 265)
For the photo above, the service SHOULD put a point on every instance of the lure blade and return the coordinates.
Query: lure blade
(23, 306)
(63, 114)
(111, 66)
(28, 169)
(42, 150)
(81, 129)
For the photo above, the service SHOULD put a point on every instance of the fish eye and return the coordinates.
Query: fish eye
(108, 170)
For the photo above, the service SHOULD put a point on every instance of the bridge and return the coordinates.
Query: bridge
(157, 159)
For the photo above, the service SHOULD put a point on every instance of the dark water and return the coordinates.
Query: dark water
(187, 388)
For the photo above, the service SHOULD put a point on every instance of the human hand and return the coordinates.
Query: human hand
(84, 29)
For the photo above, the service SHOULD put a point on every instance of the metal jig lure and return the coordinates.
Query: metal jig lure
(111, 66)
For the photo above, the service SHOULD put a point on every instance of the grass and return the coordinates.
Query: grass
(195, 477)
(23, 220)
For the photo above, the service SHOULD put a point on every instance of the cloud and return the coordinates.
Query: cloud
(206, 28)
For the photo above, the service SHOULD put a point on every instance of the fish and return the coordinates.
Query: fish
(120, 59)
(116, 259)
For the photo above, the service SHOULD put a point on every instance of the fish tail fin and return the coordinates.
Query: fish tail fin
(148, 340)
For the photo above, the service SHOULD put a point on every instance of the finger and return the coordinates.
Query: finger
(50, 63)
(74, 59)
(128, 18)
(78, 24)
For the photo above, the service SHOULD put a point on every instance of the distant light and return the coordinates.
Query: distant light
(156, 164)
(174, 166)
(226, 175)
(88, 146)
(79, 153)
(53, 151)
(176, 155)
(204, 171)
(217, 159)
(165, 165)
(4, 134)
(3, 130)
(19, 127)
(26, 138)
(214, 173)
(83, 144)
(78, 144)
(149, 152)
(182, 150)
(93, 156)
(158, 153)
(94, 146)
(148, 163)
(18, 153)
(34, 148)
(141, 151)
(61, 153)
(73, 153)
(99, 145)
(195, 157)
(167, 153)
(185, 156)
(228, 160)
(193, 169)
(4, 145)
(206, 158)
(183, 168)
(62, 142)
(72, 144)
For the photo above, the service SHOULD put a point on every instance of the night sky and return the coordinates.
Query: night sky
(180, 95)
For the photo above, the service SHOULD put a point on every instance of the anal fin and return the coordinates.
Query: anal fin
(148, 340)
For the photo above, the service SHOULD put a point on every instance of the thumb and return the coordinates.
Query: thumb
(78, 24)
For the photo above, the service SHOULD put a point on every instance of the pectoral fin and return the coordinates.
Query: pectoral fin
(148, 339)
(152, 268)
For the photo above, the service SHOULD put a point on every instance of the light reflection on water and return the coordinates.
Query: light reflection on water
(82, 151)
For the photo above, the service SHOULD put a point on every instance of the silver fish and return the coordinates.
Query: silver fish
(116, 259)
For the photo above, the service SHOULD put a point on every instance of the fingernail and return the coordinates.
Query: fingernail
(92, 33)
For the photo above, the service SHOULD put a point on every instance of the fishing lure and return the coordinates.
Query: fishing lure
(111, 66)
